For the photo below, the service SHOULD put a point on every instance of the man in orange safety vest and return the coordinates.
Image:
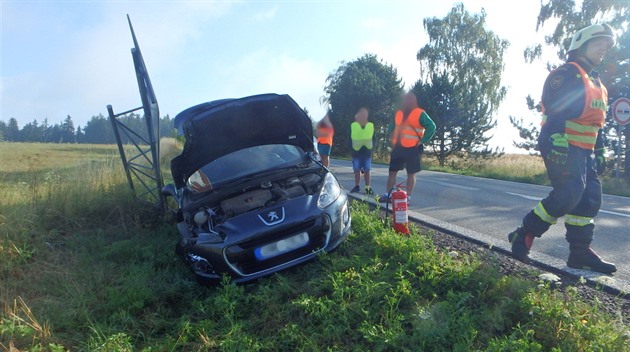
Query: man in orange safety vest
(412, 128)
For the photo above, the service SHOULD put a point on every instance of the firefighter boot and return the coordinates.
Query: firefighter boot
(582, 256)
(521, 243)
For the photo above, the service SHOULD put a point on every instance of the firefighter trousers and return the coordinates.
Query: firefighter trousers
(576, 194)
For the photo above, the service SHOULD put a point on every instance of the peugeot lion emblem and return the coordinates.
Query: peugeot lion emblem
(272, 217)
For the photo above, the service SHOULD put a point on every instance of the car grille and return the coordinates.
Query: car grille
(242, 259)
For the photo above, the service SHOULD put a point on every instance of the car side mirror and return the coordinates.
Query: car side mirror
(169, 190)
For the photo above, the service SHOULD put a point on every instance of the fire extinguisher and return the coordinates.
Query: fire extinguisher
(399, 210)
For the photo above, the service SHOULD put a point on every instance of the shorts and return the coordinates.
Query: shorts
(405, 158)
(362, 162)
(324, 149)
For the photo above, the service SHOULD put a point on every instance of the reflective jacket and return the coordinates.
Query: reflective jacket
(325, 134)
(362, 136)
(592, 97)
(408, 132)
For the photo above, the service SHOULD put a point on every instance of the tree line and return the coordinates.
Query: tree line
(98, 130)
(459, 85)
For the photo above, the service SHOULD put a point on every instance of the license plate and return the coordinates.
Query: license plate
(281, 247)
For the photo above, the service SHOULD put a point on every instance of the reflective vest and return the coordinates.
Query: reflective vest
(582, 130)
(325, 135)
(409, 132)
(361, 136)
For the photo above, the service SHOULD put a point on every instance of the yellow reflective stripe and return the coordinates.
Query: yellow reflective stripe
(576, 220)
(543, 215)
(413, 132)
(581, 139)
(581, 128)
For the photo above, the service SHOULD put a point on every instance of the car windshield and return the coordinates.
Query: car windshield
(244, 162)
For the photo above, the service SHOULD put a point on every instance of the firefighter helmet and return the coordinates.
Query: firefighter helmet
(593, 31)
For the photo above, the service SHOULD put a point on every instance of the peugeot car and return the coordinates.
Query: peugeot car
(252, 197)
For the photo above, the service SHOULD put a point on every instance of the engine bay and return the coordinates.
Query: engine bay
(202, 222)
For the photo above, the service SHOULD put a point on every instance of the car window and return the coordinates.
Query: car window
(242, 163)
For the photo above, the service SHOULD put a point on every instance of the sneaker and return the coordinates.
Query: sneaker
(521, 244)
(583, 257)
(384, 198)
(356, 189)
(368, 190)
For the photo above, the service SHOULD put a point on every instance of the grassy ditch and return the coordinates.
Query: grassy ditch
(83, 267)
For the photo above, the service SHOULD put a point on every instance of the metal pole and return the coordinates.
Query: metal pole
(619, 134)
(121, 149)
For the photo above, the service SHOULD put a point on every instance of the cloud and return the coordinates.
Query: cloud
(267, 14)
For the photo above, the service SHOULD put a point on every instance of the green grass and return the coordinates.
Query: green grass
(83, 267)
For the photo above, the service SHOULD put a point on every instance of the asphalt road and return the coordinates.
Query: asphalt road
(494, 208)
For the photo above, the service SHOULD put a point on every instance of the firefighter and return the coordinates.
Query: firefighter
(574, 108)
(362, 139)
(325, 133)
(412, 128)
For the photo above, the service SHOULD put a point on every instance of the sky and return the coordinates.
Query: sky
(62, 58)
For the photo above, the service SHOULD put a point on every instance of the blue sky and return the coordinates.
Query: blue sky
(72, 57)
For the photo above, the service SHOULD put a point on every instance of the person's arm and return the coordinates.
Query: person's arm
(429, 127)
(563, 97)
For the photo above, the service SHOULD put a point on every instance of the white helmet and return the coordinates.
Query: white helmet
(590, 32)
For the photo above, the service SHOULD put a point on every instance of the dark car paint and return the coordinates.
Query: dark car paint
(246, 227)
(216, 129)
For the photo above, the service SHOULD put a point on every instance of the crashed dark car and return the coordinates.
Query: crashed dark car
(252, 197)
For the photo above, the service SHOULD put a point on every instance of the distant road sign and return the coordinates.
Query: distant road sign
(621, 111)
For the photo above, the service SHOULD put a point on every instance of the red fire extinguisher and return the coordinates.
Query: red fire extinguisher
(399, 210)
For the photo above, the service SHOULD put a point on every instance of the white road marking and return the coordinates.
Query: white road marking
(615, 213)
(524, 196)
(446, 184)
(538, 198)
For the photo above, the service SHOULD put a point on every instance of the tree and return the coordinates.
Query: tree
(614, 71)
(365, 82)
(460, 84)
(98, 130)
(67, 131)
(3, 131)
(32, 132)
(13, 131)
(527, 131)
(79, 135)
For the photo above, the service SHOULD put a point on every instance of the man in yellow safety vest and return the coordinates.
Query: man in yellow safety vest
(362, 138)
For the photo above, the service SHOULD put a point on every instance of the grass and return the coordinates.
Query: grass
(83, 267)
(512, 167)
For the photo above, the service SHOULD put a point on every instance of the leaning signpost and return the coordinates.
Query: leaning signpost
(142, 162)
(621, 115)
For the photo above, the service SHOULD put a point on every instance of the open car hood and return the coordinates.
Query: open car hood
(221, 127)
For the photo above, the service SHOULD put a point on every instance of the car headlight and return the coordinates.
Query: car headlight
(330, 191)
